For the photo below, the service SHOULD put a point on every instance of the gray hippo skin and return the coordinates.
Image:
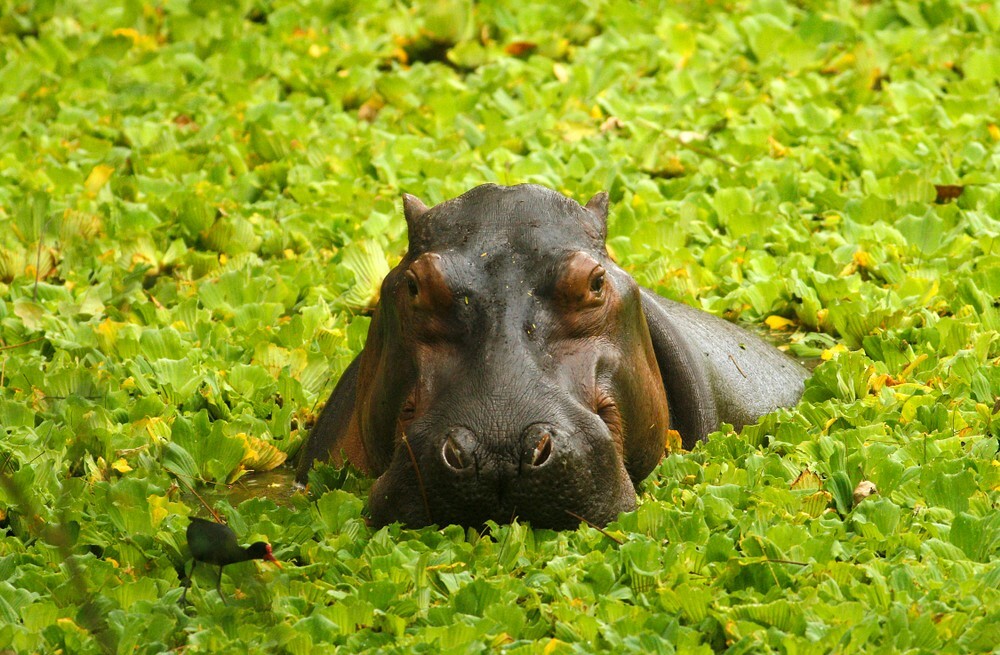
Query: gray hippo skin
(512, 369)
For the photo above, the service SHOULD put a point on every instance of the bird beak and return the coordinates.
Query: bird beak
(270, 558)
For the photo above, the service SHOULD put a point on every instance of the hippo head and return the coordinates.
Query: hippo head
(508, 370)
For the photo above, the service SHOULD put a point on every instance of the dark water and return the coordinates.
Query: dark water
(275, 485)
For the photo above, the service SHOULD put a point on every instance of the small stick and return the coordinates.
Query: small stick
(38, 263)
(733, 360)
(38, 259)
(155, 301)
(420, 480)
(218, 519)
(23, 343)
(596, 527)
(786, 561)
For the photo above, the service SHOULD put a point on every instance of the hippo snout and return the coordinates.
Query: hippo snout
(464, 454)
(548, 473)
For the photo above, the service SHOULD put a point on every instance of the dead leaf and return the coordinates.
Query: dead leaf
(864, 489)
(612, 123)
(520, 48)
(947, 192)
(807, 480)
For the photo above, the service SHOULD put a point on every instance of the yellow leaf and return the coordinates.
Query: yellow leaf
(574, 131)
(551, 646)
(161, 507)
(673, 441)
(862, 259)
(833, 353)
(776, 322)
(261, 455)
(127, 32)
(157, 428)
(502, 639)
(68, 623)
(98, 177)
(121, 465)
(141, 41)
(807, 480)
(561, 72)
(994, 132)
(877, 382)
(931, 292)
(778, 150)
(816, 503)
(917, 361)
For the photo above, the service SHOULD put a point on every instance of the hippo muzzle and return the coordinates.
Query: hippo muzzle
(537, 454)
(513, 370)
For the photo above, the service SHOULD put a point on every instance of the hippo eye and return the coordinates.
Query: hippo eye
(597, 281)
(411, 284)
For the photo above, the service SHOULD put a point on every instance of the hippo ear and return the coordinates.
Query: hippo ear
(598, 207)
(413, 209)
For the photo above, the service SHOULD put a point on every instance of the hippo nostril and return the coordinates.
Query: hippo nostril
(538, 442)
(456, 449)
(542, 450)
(453, 454)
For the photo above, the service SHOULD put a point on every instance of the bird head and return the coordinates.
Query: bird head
(262, 550)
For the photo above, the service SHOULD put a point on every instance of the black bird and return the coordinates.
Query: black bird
(215, 543)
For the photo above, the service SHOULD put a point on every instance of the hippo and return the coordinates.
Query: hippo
(514, 370)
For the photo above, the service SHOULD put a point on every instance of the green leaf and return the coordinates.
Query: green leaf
(925, 233)
(978, 537)
(780, 614)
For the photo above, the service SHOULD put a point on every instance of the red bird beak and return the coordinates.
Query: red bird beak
(270, 558)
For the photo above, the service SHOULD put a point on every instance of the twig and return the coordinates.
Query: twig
(708, 153)
(420, 480)
(85, 397)
(596, 527)
(218, 519)
(733, 360)
(38, 258)
(23, 343)
(155, 301)
(38, 264)
(786, 561)
(125, 452)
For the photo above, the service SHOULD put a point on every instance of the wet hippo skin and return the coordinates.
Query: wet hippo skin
(512, 369)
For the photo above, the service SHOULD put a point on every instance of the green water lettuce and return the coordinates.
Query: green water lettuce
(198, 202)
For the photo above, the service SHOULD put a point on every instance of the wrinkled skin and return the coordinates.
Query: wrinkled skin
(512, 369)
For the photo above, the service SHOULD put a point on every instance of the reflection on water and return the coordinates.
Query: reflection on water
(782, 341)
(275, 485)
